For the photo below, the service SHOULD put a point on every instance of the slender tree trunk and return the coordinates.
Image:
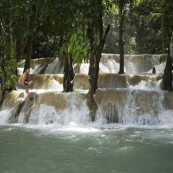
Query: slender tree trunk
(60, 45)
(68, 74)
(163, 45)
(2, 60)
(22, 41)
(97, 42)
(20, 47)
(21, 44)
(30, 37)
(166, 83)
(121, 42)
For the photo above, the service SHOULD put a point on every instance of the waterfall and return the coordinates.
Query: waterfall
(109, 63)
(75, 110)
(131, 98)
(5, 115)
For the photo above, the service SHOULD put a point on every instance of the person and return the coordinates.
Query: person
(24, 80)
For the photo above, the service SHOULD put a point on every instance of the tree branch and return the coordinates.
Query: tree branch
(104, 38)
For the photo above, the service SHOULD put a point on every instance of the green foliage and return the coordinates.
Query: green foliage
(110, 7)
(10, 83)
(8, 67)
(122, 3)
(10, 70)
(63, 49)
(79, 47)
(144, 21)
(148, 26)
(55, 19)
(111, 45)
(48, 46)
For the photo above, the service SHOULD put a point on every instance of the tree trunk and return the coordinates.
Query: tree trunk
(166, 83)
(2, 80)
(20, 47)
(93, 78)
(96, 32)
(121, 42)
(2, 60)
(68, 74)
(22, 41)
(162, 32)
(30, 37)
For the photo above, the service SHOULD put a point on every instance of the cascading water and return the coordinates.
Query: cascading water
(133, 130)
(132, 111)
(129, 107)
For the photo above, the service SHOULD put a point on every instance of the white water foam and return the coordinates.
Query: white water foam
(53, 85)
(110, 66)
(5, 115)
(83, 68)
(54, 67)
(159, 68)
(130, 68)
(156, 115)
(19, 71)
(36, 69)
(74, 118)
(147, 85)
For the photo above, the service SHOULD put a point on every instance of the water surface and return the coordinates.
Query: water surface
(74, 149)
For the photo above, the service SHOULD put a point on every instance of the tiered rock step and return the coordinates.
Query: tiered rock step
(109, 63)
(47, 72)
(114, 96)
(113, 104)
(113, 81)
